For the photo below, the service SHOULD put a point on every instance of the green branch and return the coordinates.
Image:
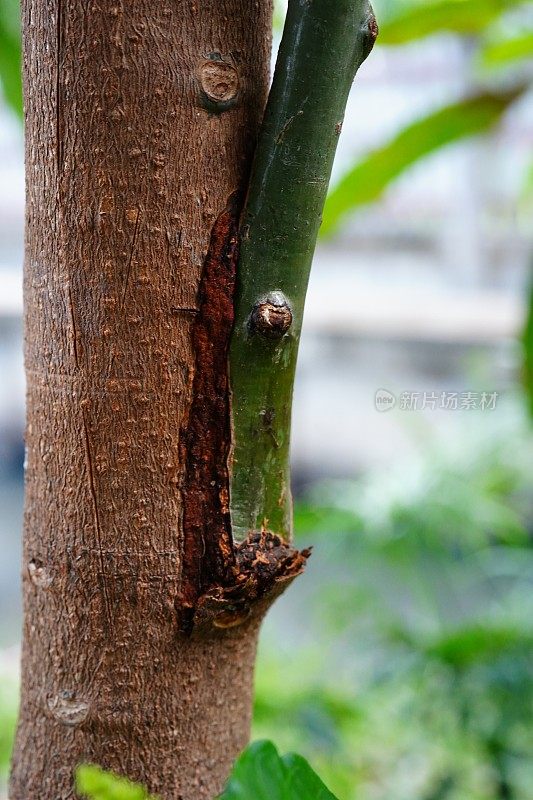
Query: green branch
(324, 43)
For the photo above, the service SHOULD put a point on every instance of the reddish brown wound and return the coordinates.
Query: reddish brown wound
(208, 555)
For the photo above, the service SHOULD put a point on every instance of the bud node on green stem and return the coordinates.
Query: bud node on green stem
(271, 316)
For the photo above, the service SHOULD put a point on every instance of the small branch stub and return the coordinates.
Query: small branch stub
(219, 83)
(39, 575)
(271, 316)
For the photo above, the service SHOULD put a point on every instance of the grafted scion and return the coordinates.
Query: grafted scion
(324, 43)
(222, 581)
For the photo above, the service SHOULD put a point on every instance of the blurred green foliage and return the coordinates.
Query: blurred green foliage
(8, 719)
(408, 21)
(418, 684)
(10, 57)
(502, 52)
(527, 345)
(373, 174)
(501, 32)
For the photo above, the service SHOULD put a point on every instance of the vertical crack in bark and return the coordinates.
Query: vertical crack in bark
(96, 513)
(74, 328)
(130, 260)
(58, 92)
(207, 551)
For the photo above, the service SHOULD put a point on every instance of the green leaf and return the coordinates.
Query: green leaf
(96, 784)
(258, 774)
(261, 774)
(365, 182)
(303, 782)
(419, 20)
(506, 51)
(10, 55)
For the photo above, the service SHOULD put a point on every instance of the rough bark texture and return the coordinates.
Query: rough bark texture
(141, 118)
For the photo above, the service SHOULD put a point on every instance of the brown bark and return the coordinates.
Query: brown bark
(141, 118)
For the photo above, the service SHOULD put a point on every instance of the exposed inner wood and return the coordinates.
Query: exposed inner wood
(207, 556)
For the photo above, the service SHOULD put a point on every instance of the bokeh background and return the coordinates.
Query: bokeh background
(401, 664)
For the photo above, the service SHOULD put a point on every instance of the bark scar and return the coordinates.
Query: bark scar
(207, 552)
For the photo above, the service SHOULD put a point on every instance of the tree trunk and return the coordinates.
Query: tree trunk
(141, 118)
(158, 510)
